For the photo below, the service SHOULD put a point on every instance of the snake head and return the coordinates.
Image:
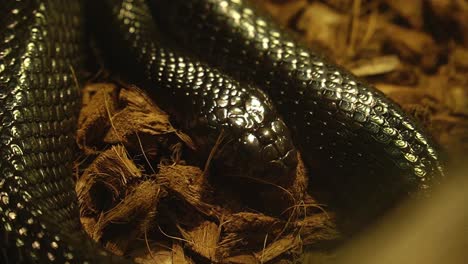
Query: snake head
(204, 101)
(256, 142)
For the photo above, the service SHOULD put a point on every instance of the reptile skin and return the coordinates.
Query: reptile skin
(338, 122)
(41, 42)
(39, 102)
(211, 101)
(362, 148)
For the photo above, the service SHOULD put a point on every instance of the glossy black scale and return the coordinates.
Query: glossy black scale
(40, 43)
(362, 148)
(40, 48)
(333, 115)
(205, 100)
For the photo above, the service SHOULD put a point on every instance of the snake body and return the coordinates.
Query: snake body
(353, 138)
(40, 44)
(336, 120)
(214, 100)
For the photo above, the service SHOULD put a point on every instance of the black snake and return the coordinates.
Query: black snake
(339, 123)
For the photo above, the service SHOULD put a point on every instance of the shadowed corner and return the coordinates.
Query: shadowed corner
(430, 231)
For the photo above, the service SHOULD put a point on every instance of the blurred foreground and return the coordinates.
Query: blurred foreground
(432, 231)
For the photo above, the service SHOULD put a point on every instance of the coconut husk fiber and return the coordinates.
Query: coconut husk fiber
(135, 191)
(142, 196)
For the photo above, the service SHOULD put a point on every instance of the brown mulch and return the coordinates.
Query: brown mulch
(135, 191)
(139, 196)
(414, 51)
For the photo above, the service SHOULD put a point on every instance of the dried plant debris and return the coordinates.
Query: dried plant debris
(141, 196)
(108, 174)
(415, 51)
(99, 102)
(136, 192)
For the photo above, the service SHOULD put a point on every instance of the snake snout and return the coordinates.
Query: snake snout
(268, 151)
(259, 141)
(265, 140)
(274, 146)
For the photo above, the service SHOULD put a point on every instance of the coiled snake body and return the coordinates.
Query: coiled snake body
(339, 123)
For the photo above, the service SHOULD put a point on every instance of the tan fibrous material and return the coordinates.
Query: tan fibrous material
(133, 190)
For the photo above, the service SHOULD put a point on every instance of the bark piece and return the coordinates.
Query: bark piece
(411, 11)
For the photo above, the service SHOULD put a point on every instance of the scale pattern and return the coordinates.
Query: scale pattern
(39, 43)
(212, 100)
(336, 119)
(351, 135)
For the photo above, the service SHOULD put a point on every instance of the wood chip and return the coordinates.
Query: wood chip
(376, 65)
(138, 172)
(412, 45)
(411, 11)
